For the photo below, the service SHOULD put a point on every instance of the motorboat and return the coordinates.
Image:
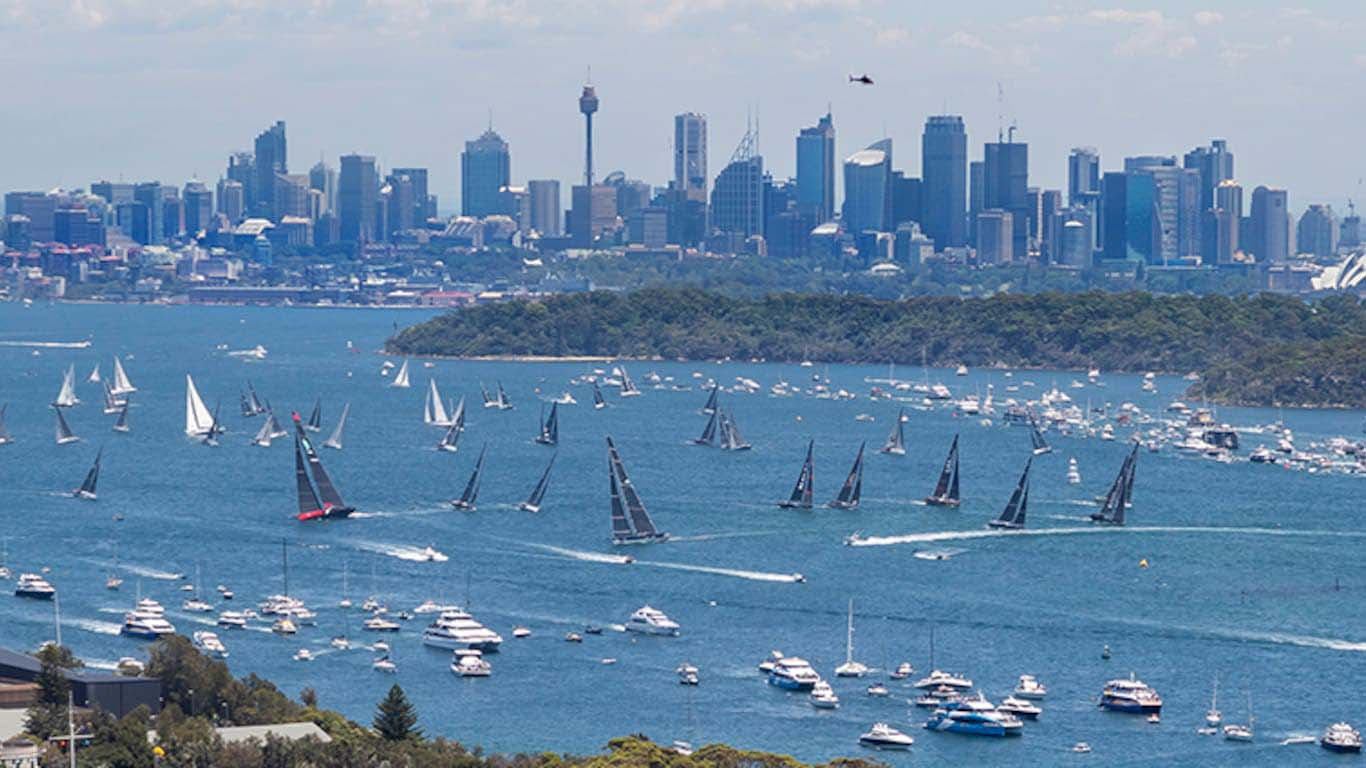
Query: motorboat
(195, 605)
(592, 629)
(147, 621)
(1238, 732)
(284, 627)
(521, 632)
(34, 587)
(341, 643)
(902, 671)
(113, 583)
(823, 696)
(1021, 708)
(232, 620)
(1081, 748)
(384, 664)
(470, 663)
(303, 654)
(431, 606)
(209, 643)
(379, 624)
(381, 646)
(687, 674)
(456, 629)
(1030, 688)
(1341, 737)
(878, 691)
(766, 666)
(224, 592)
(884, 736)
(1262, 455)
(573, 637)
(681, 747)
(793, 673)
(1154, 719)
(974, 717)
(652, 621)
(1131, 696)
(938, 678)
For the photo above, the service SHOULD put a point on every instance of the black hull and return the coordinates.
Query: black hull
(843, 505)
(463, 505)
(793, 505)
(639, 539)
(937, 501)
(34, 595)
(1341, 749)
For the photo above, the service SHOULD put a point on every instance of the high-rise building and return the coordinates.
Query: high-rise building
(485, 168)
(198, 207)
(232, 201)
(1214, 164)
(547, 215)
(977, 190)
(1074, 242)
(944, 168)
(593, 212)
(357, 198)
(907, 200)
(290, 195)
(1162, 219)
(401, 204)
(995, 237)
(1224, 220)
(588, 104)
(816, 169)
(1083, 175)
(424, 207)
(323, 178)
(737, 199)
(172, 213)
(76, 225)
(271, 159)
(868, 189)
(1005, 186)
(1269, 226)
(242, 169)
(690, 155)
(148, 193)
(41, 210)
(114, 193)
(1114, 212)
(1317, 231)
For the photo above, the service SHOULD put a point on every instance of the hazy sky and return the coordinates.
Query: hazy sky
(165, 89)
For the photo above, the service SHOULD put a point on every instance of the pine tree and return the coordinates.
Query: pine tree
(396, 718)
(47, 716)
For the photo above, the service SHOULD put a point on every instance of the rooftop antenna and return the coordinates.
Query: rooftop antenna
(1000, 112)
(490, 119)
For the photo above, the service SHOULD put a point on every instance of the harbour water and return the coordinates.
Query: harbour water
(1253, 572)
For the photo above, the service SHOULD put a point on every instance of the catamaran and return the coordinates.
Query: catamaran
(1037, 440)
(730, 434)
(710, 407)
(335, 441)
(120, 424)
(802, 491)
(896, 441)
(708, 436)
(946, 490)
(598, 402)
(66, 398)
(122, 386)
(198, 420)
(533, 502)
(550, 428)
(631, 524)
(471, 492)
(401, 378)
(1116, 501)
(87, 490)
(850, 668)
(852, 489)
(1013, 516)
(64, 433)
(311, 506)
(315, 419)
(628, 387)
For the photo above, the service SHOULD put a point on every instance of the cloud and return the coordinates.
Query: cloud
(1153, 34)
(1208, 18)
(961, 39)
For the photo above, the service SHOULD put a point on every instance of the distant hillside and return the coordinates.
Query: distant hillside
(1262, 349)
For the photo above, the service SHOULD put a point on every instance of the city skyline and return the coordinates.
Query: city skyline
(1115, 108)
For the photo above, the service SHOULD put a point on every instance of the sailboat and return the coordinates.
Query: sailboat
(946, 490)
(5, 438)
(433, 410)
(850, 668)
(471, 492)
(335, 441)
(1239, 732)
(277, 430)
(94, 377)
(1116, 501)
(1036, 438)
(263, 435)
(315, 419)
(598, 402)
(66, 397)
(450, 439)
(112, 403)
(631, 524)
(709, 432)
(628, 387)
(550, 428)
(896, 441)
(401, 379)
(852, 489)
(802, 490)
(87, 490)
(710, 407)
(533, 502)
(324, 503)
(251, 403)
(198, 420)
(215, 429)
(1213, 716)
(1013, 516)
(504, 403)
(120, 424)
(345, 602)
(64, 433)
(730, 434)
(499, 400)
(122, 385)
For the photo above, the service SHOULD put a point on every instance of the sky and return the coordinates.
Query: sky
(158, 89)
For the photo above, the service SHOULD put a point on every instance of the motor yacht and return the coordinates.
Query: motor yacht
(1341, 737)
(209, 643)
(284, 627)
(1081, 748)
(1262, 455)
(573, 637)
(113, 583)
(652, 621)
(232, 620)
(1238, 732)
(470, 663)
(974, 717)
(766, 666)
(793, 674)
(379, 624)
(147, 621)
(431, 606)
(937, 678)
(380, 645)
(1131, 696)
(384, 664)
(303, 654)
(1021, 708)
(1030, 688)
(823, 696)
(902, 671)
(878, 691)
(34, 587)
(884, 736)
(456, 629)
(195, 605)
(521, 632)
(687, 674)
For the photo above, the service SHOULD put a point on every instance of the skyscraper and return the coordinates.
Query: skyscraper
(1213, 164)
(485, 168)
(198, 207)
(588, 104)
(357, 194)
(290, 195)
(148, 193)
(690, 155)
(232, 200)
(1226, 218)
(547, 216)
(1083, 176)
(1317, 231)
(402, 202)
(1005, 186)
(816, 169)
(1269, 225)
(868, 189)
(995, 237)
(323, 178)
(423, 206)
(944, 166)
(270, 159)
(1114, 205)
(242, 169)
(737, 200)
(1162, 218)
(41, 210)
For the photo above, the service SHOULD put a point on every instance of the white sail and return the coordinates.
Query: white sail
(401, 380)
(198, 419)
(263, 434)
(122, 385)
(94, 377)
(67, 397)
(436, 410)
(335, 441)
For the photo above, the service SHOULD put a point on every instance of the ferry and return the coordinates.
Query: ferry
(974, 717)
(1131, 696)
(793, 674)
(455, 629)
(652, 621)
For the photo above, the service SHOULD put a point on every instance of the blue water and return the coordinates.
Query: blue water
(1243, 558)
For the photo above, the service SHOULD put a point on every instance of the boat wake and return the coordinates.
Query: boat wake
(781, 578)
(97, 627)
(938, 554)
(730, 535)
(151, 573)
(47, 344)
(590, 557)
(402, 552)
(936, 536)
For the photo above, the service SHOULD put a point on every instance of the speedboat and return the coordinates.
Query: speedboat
(687, 674)
(432, 555)
(379, 624)
(520, 632)
(341, 643)
(303, 654)
(1021, 708)
(1081, 748)
(232, 620)
(1030, 688)
(384, 664)
(573, 637)
(381, 646)
(456, 629)
(1131, 696)
(284, 627)
(974, 717)
(1154, 718)
(937, 678)
(431, 606)
(33, 586)
(878, 691)
(112, 583)
(1262, 455)
(470, 663)
(793, 674)
(652, 621)
(884, 736)
(1341, 737)
(823, 696)
(209, 643)
(766, 666)
(902, 671)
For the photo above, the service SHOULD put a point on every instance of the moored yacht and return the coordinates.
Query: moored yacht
(884, 736)
(652, 621)
(850, 667)
(33, 586)
(938, 678)
(974, 717)
(379, 624)
(470, 663)
(1021, 708)
(1030, 688)
(455, 629)
(793, 674)
(232, 620)
(209, 643)
(1131, 696)
(1341, 737)
(823, 696)
(147, 621)
(902, 671)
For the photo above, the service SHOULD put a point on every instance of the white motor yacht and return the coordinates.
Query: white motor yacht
(381, 646)
(195, 605)
(283, 627)
(1341, 737)
(232, 620)
(652, 621)
(147, 621)
(1021, 708)
(209, 643)
(129, 667)
(884, 736)
(455, 629)
(470, 663)
(939, 678)
(879, 691)
(380, 624)
(823, 696)
(521, 632)
(33, 586)
(902, 671)
(1030, 688)
(794, 674)
(341, 643)
(688, 674)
